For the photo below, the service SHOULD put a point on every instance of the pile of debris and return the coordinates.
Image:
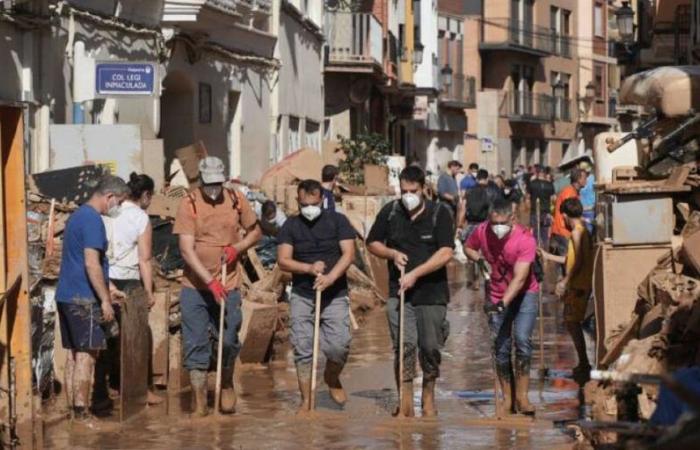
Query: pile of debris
(661, 337)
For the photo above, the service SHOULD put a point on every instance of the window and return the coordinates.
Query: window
(312, 136)
(554, 19)
(598, 79)
(565, 22)
(294, 141)
(598, 28)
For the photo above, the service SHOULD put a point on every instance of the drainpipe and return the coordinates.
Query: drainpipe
(80, 72)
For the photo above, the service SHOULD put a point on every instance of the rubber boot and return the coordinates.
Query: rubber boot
(522, 384)
(228, 393)
(505, 381)
(332, 378)
(304, 378)
(198, 378)
(428, 398)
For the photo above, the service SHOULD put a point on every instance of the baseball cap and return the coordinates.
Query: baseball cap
(211, 169)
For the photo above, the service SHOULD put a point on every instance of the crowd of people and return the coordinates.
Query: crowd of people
(107, 253)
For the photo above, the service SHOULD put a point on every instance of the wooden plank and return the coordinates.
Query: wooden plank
(258, 326)
(18, 309)
(257, 265)
(134, 354)
(158, 319)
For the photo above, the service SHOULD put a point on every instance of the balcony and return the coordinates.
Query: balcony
(562, 45)
(354, 42)
(189, 10)
(520, 106)
(461, 94)
(506, 34)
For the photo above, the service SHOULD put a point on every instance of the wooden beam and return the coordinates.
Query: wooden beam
(18, 308)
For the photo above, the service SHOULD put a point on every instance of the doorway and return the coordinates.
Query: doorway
(177, 114)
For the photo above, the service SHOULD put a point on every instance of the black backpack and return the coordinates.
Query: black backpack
(478, 202)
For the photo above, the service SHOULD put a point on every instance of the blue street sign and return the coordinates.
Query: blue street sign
(124, 78)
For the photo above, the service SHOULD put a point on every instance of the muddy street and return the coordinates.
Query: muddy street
(268, 398)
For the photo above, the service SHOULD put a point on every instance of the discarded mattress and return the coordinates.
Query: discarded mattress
(672, 91)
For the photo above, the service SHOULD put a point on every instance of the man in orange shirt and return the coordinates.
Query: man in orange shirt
(559, 241)
(210, 223)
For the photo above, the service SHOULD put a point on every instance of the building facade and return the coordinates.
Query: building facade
(526, 70)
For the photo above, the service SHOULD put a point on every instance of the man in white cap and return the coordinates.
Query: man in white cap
(214, 224)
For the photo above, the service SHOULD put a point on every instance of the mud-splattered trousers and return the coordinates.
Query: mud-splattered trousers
(334, 337)
(200, 327)
(426, 331)
(514, 323)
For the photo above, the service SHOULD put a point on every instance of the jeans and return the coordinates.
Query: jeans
(518, 321)
(426, 330)
(334, 332)
(200, 328)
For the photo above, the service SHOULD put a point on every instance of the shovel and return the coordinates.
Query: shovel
(314, 360)
(220, 350)
(402, 300)
(544, 371)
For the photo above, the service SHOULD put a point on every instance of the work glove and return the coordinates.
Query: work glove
(217, 290)
(493, 308)
(230, 254)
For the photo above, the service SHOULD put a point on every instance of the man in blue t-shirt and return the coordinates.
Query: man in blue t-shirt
(469, 179)
(317, 246)
(329, 177)
(84, 302)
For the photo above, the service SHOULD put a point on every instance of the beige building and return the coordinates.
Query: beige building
(526, 68)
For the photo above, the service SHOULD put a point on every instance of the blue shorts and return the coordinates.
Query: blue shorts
(81, 326)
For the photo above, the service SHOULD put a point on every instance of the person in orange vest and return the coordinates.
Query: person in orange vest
(559, 241)
(210, 223)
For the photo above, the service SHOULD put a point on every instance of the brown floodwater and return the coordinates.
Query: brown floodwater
(268, 399)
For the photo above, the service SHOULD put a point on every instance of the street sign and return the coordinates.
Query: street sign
(125, 78)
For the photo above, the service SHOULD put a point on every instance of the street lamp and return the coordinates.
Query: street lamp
(559, 89)
(590, 91)
(418, 53)
(446, 74)
(625, 21)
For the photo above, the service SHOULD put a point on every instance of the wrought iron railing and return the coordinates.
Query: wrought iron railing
(519, 34)
(526, 106)
(462, 91)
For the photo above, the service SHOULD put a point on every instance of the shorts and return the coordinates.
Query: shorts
(575, 305)
(81, 326)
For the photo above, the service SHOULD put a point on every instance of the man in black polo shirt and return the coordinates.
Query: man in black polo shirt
(317, 246)
(416, 235)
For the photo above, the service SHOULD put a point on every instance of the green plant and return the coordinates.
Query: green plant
(364, 149)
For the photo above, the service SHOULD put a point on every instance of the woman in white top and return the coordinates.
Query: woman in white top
(130, 271)
(130, 239)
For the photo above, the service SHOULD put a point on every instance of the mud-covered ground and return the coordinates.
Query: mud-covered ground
(268, 399)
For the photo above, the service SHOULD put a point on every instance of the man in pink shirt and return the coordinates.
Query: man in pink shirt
(511, 297)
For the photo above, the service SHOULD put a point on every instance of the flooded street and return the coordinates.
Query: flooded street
(268, 399)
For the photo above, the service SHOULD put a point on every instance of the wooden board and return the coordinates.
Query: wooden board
(158, 319)
(135, 354)
(73, 185)
(615, 283)
(258, 326)
(178, 377)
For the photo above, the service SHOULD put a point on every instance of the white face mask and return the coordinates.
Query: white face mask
(500, 230)
(410, 201)
(311, 212)
(113, 210)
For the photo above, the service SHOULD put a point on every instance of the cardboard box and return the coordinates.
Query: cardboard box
(256, 331)
(376, 177)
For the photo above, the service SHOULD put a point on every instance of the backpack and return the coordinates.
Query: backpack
(233, 194)
(478, 202)
(397, 205)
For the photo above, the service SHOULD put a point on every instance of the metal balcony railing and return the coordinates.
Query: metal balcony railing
(526, 106)
(353, 38)
(461, 93)
(505, 33)
(562, 45)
